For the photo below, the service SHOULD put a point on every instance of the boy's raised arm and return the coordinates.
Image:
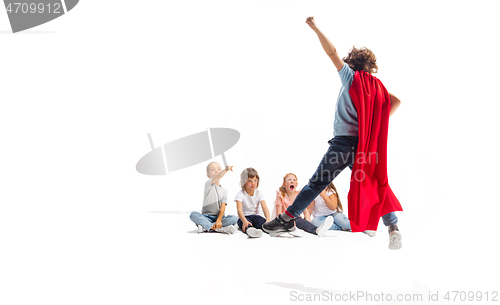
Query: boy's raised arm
(326, 44)
(216, 179)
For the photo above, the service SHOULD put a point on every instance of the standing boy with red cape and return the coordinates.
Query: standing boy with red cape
(360, 142)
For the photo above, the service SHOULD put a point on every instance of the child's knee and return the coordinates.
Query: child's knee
(231, 219)
(316, 221)
(194, 215)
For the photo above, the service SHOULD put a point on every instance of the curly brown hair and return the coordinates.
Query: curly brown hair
(361, 59)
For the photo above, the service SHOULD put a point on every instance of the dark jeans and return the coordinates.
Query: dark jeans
(305, 225)
(340, 154)
(256, 220)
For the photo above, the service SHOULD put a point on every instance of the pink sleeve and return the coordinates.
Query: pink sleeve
(279, 200)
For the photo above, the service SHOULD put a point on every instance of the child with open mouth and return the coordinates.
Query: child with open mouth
(285, 197)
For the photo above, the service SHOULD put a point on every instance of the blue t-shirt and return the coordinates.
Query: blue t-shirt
(346, 116)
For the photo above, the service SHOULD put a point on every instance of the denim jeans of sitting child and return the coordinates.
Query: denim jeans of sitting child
(207, 221)
(340, 221)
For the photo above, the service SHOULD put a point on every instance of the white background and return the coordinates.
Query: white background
(78, 224)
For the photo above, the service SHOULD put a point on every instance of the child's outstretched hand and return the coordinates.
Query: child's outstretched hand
(310, 21)
(229, 168)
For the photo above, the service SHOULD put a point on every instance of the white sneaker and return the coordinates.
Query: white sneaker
(200, 229)
(395, 240)
(327, 224)
(228, 229)
(296, 233)
(370, 233)
(234, 229)
(253, 232)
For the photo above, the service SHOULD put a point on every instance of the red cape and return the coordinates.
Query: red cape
(370, 195)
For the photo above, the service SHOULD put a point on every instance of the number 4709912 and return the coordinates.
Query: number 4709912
(471, 296)
(34, 8)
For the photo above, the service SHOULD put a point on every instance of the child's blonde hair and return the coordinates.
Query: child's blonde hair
(248, 173)
(208, 166)
(282, 187)
(332, 187)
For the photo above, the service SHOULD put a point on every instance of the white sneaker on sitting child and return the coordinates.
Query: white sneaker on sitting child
(253, 232)
(321, 230)
(200, 229)
(228, 230)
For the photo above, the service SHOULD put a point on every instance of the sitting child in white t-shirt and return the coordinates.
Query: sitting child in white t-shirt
(214, 204)
(248, 202)
(328, 204)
